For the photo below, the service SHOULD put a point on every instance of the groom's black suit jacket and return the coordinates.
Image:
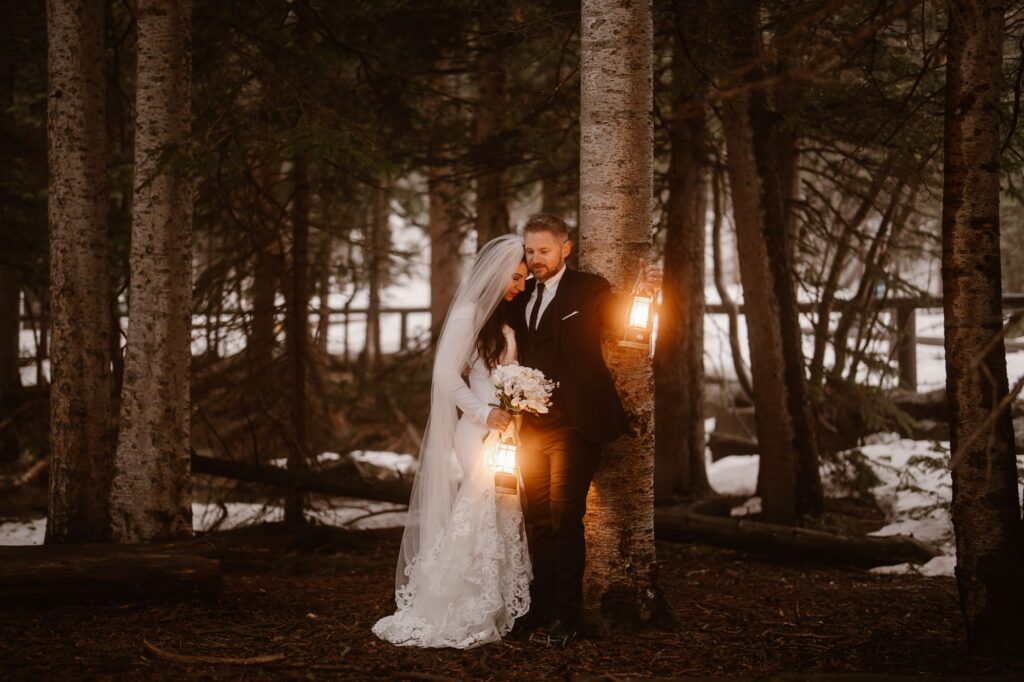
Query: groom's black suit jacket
(567, 348)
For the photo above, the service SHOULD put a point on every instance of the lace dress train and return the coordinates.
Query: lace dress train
(468, 588)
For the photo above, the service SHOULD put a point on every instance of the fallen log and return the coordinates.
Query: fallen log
(104, 572)
(681, 525)
(327, 483)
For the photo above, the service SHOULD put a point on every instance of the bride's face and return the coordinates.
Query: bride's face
(517, 283)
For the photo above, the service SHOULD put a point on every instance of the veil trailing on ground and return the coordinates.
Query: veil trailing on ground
(436, 482)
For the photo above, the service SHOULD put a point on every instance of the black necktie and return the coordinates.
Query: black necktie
(536, 307)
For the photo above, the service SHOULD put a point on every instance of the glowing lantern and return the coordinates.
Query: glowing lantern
(639, 321)
(505, 479)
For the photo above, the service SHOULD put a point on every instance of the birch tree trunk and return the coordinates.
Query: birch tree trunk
(985, 508)
(151, 498)
(81, 423)
(679, 360)
(616, 185)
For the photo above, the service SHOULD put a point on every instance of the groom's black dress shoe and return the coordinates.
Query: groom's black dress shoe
(526, 625)
(560, 632)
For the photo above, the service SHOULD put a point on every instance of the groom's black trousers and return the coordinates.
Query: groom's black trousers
(557, 465)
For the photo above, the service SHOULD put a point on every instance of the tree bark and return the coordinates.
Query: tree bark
(616, 185)
(151, 497)
(297, 336)
(10, 330)
(732, 310)
(491, 207)
(325, 267)
(376, 255)
(445, 243)
(444, 228)
(985, 506)
(775, 431)
(81, 423)
(679, 359)
(775, 153)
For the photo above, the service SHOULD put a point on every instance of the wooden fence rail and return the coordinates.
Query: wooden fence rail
(903, 309)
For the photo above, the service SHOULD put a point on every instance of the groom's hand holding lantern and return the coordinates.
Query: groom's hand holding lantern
(640, 315)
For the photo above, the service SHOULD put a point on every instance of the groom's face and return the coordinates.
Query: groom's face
(546, 253)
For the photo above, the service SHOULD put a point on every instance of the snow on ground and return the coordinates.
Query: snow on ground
(914, 492)
(343, 512)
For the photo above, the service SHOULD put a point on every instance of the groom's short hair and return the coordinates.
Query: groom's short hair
(545, 222)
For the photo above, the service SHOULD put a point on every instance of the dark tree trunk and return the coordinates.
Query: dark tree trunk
(775, 431)
(491, 207)
(297, 336)
(323, 289)
(10, 330)
(985, 508)
(81, 419)
(679, 358)
(776, 157)
(445, 241)
(732, 310)
(377, 260)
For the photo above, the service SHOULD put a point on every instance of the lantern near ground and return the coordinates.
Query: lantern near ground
(505, 479)
(639, 320)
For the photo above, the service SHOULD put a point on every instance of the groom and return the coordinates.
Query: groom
(559, 321)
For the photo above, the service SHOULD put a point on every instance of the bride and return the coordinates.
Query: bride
(463, 570)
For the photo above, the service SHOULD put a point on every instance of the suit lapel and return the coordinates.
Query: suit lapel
(557, 307)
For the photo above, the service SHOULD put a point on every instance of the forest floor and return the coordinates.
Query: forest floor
(313, 597)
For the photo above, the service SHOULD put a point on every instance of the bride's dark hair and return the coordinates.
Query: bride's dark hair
(490, 343)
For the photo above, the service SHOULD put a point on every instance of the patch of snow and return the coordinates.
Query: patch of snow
(734, 475)
(29, 532)
(383, 465)
(751, 506)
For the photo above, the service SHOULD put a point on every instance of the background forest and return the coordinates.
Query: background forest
(344, 160)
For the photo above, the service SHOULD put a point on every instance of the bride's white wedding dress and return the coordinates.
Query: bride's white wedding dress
(469, 587)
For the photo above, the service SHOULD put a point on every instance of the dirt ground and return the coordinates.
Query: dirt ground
(313, 598)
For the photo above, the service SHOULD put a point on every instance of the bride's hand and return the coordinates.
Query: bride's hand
(498, 419)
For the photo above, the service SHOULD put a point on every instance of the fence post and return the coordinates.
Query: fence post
(906, 344)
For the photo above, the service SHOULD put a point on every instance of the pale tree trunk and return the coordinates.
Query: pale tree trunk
(679, 359)
(616, 185)
(775, 433)
(151, 498)
(297, 336)
(491, 208)
(81, 423)
(985, 507)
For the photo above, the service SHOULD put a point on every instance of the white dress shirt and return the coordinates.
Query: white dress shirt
(550, 289)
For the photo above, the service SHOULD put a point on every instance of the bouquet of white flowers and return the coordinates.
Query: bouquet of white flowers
(518, 390)
(522, 389)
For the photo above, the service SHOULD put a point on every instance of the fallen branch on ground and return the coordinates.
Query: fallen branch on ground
(681, 524)
(212, 660)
